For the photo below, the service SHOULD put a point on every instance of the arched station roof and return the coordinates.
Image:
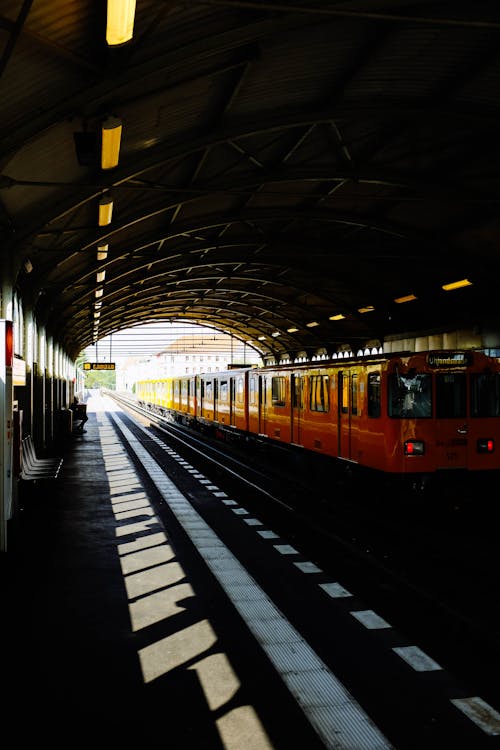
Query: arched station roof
(286, 170)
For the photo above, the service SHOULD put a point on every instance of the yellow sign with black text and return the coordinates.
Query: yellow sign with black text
(98, 365)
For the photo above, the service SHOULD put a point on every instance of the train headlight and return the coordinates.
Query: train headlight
(485, 445)
(414, 447)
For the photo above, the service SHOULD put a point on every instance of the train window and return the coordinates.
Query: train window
(344, 385)
(252, 390)
(239, 390)
(485, 394)
(176, 389)
(278, 391)
(297, 391)
(374, 394)
(410, 395)
(450, 395)
(319, 395)
(354, 394)
(209, 390)
(223, 390)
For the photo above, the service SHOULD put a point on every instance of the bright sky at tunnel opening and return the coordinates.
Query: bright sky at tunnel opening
(148, 340)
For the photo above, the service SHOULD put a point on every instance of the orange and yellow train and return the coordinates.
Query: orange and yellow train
(403, 414)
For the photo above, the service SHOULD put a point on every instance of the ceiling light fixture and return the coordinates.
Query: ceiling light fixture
(312, 324)
(105, 210)
(99, 292)
(102, 252)
(292, 330)
(120, 21)
(337, 317)
(368, 308)
(100, 276)
(456, 285)
(111, 139)
(408, 298)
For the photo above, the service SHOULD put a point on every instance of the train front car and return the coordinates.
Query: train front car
(443, 413)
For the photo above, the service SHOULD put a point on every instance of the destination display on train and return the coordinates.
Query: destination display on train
(449, 359)
(98, 365)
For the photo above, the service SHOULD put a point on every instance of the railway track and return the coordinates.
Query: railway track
(427, 565)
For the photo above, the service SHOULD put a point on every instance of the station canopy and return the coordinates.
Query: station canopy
(302, 175)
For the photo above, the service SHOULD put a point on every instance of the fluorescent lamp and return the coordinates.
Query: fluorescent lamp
(261, 338)
(120, 21)
(276, 333)
(456, 285)
(312, 324)
(337, 317)
(408, 298)
(102, 252)
(101, 275)
(105, 211)
(111, 138)
(99, 292)
(368, 308)
(292, 330)
(97, 314)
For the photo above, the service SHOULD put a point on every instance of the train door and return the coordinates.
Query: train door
(262, 405)
(253, 403)
(185, 394)
(216, 400)
(232, 401)
(347, 400)
(452, 426)
(297, 408)
(200, 391)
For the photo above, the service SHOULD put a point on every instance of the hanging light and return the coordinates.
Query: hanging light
(102, 252)
(111, 139)
(456, 285)
(120, 21)
(406, 298)
(105, 210)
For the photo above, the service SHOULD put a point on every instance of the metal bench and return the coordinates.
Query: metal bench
(34, 468)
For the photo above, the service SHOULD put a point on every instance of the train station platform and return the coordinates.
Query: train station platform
(110, 636)
(118, 626)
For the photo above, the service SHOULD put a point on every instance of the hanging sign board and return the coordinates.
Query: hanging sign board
(98, 365)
